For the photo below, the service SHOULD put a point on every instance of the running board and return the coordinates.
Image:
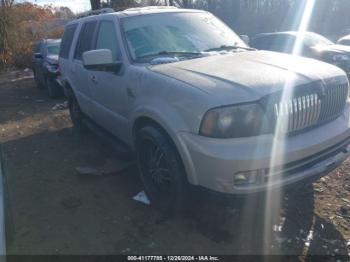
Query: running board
(122, 151)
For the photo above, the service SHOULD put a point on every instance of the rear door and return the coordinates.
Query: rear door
(65, 53)
(108, 88)
(78, 74)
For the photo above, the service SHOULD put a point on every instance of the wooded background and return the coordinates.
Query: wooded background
(256, 16)
(22, 24)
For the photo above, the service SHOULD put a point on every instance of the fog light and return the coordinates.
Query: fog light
(245, 178)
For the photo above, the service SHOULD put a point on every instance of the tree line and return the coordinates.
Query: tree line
(329, 17)
(22, 23)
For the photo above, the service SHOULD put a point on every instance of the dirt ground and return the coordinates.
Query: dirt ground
(55, 210)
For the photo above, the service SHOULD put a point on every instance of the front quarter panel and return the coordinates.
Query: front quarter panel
(175, 106)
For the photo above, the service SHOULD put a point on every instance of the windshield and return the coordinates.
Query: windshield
(312, 39)
(53, 49)
(192, 33)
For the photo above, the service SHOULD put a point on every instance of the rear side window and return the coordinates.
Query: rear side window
(67, 40)
(283, 43)
(107, 38)
(85, 39)
(263, 43)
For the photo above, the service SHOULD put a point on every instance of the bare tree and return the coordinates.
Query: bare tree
(5, 9)
(7, 3)
(95, 4)
(183, 3)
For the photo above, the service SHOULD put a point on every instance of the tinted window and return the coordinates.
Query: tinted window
(107, 38)
(85, 39)
(67, 40)
(263, 43)
(278, 43)
(283, 43)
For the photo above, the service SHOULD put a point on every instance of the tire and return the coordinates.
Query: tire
(37, 81)
(76, 114)
(53, 90)
(161, 170)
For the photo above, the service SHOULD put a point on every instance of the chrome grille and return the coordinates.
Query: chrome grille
(311, 109)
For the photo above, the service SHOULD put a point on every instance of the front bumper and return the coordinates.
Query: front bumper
(212, 163)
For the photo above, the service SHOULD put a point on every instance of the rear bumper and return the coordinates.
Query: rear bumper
(213, 163)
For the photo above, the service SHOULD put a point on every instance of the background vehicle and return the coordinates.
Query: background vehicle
(344, 40)
(200, 107)
(312, 45)
(45, 66)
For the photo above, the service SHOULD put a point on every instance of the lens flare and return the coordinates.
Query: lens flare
(274, 197)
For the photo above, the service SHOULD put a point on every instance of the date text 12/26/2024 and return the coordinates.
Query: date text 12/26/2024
(173, 258)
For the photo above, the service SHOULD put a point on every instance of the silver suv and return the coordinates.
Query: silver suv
(199, 107)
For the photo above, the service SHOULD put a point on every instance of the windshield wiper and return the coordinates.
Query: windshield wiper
(229, 47)
(161, 53)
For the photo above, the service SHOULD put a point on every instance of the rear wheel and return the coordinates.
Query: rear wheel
(76, 114)
(161, 170)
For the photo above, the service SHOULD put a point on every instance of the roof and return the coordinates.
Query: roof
(291, 33)
(131, 12)
(347, 37)
(52, 41)
(154, 10)
(277, 33)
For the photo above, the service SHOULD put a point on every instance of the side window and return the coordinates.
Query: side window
(85, 39)
(285, 44)
(67, 40)
(107, 38)
(263, 43)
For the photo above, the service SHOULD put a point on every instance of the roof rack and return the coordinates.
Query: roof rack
(95, 12)
(150, 8)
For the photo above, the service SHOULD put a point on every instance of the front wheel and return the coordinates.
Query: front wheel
(161, 170)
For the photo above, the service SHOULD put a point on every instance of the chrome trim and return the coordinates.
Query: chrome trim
(308, 110)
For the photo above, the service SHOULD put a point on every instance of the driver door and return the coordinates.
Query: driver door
(108, 89)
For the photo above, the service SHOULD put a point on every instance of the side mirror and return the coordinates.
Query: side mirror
(245, 39)
(100, 60)
(38, 55)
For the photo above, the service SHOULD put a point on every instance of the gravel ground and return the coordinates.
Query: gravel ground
(55, 210)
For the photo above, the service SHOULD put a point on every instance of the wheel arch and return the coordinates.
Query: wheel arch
(67, 89)
(146, 120)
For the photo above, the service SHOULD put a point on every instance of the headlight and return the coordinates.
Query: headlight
(235, 121)
(340, 58)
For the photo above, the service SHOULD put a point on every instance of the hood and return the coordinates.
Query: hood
(341, 49)
(247, 76)
(52, 59)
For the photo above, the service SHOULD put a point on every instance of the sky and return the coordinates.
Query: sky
(75, 5)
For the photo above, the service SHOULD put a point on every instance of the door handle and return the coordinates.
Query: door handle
(93, 79)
